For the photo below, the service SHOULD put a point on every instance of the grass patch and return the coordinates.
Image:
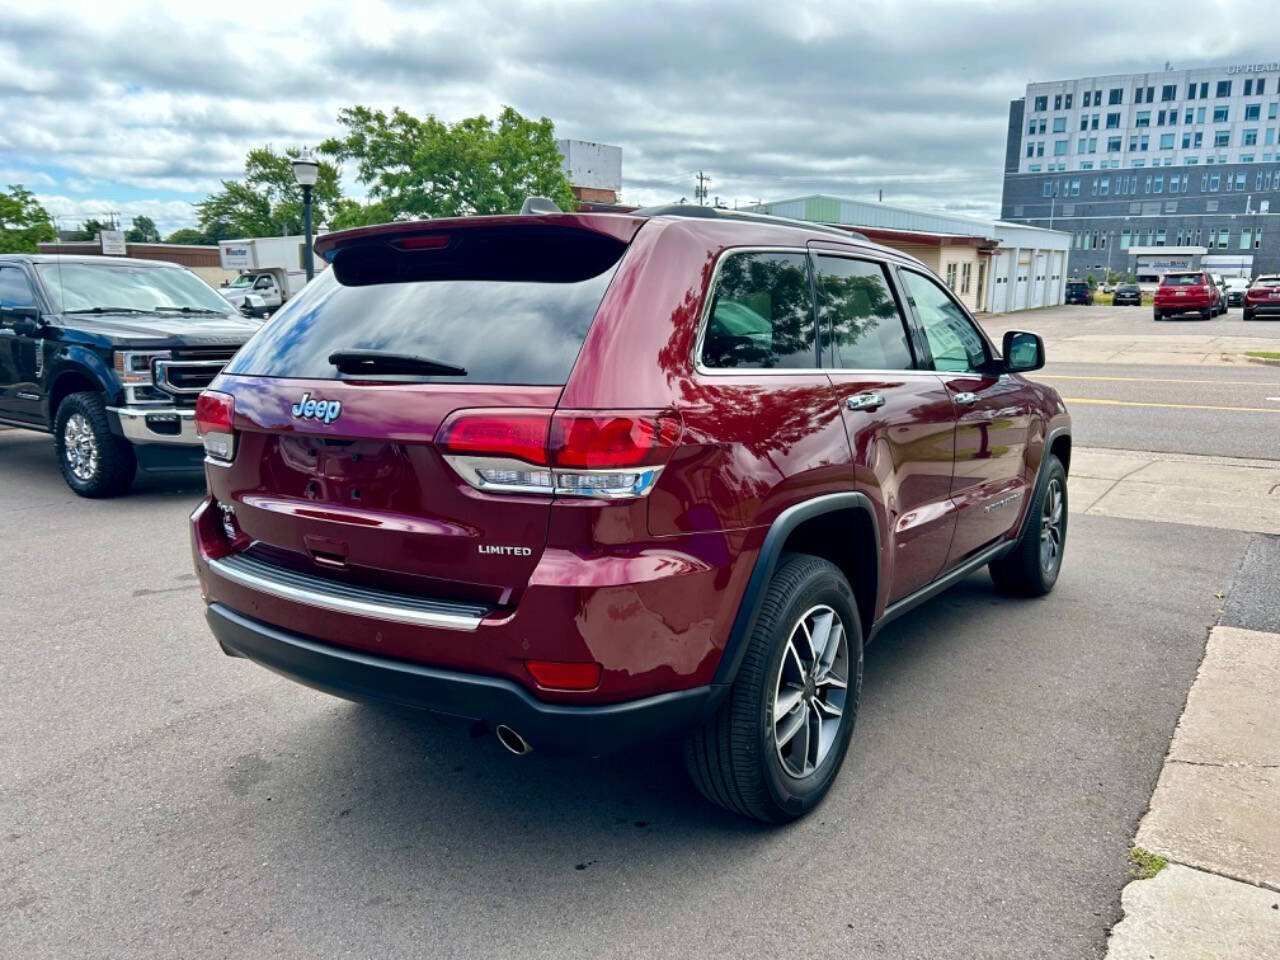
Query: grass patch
(1143, 864)
(1263, 354)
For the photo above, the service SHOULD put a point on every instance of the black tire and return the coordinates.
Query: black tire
(734, 759)
(1248, 314)
(1158, 315)
(99, 463)
(1207, 314)
(1024, 571)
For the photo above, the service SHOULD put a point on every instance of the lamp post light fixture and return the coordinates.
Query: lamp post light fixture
(306, 171)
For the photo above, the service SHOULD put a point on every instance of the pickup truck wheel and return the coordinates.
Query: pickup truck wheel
(773, 748)
(94, 461)
(1031, 568)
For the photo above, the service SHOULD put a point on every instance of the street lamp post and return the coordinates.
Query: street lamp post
(306, 171)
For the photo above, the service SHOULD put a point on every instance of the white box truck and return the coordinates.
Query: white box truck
(270, 269)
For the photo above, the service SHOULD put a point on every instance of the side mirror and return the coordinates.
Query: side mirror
(24, 321)
(1022, 351)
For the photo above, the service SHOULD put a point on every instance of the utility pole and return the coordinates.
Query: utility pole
(1052, 201)
(700, 191)
(881, 198)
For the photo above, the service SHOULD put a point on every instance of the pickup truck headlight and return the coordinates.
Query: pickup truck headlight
(134, 366)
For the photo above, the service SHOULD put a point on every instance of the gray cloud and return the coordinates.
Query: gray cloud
(771, 100)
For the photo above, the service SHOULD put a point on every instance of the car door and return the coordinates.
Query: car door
(19, 354)
(993, 418)
(265, 287)
(899, 418)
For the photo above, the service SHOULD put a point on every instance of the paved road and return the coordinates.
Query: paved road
(1129, 321)
(1210, 410)
(160, 799)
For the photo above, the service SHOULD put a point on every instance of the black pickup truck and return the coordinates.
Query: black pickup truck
(108, 354)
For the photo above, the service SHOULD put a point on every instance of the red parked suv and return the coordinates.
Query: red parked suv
(600, 478)
(1188, 292)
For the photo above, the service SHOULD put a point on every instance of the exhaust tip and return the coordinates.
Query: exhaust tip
(512, 740)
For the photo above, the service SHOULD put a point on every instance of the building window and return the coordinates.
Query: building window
(1186, 141)
(1220, 114)
(1057, 102)
(1116, 96)
(1159, 238)
(1215, 181)
(1199, 114)
(1271, 110)
(1124, 239)
(1104, 188)
(1253, 111)
(1093, 120)
(1191, 91)
(1169, 92)
(1224, 89)
(1075, 188)
(1143, 119)
(1190, 116)
(1067, 101)
(1246, 238)
(1257, 239)
(966, 271)
(1031, 149)
(951, 276)
(1086, 165)
(1060, 147)
(1113, 121)
(1093, 144)
(1248, 88)
(1041, 104)
(1047, 190)
(1059, 124)
(1260, 89)
(1081, 144)
(1084, 121)
(1222, 138)
(1249, 139)
(1199, 140)
(1246, 158)
(1240, 181)
(1158, 185)
(1271, 136)
(1166, 141)
(1040, 149)
(1211, 206)
(1204, 90)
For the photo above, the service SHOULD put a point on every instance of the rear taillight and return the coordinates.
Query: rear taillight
(608, 455)
(215, 413)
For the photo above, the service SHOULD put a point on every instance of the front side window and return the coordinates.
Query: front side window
(858, 314)
(761, 313)
(954, 341)
(15, 288)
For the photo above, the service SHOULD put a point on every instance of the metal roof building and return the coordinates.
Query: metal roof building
(1017, 267)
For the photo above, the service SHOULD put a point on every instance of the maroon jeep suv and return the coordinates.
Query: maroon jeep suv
(593, 479)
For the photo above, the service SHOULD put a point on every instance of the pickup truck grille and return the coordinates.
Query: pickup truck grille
(191, 370)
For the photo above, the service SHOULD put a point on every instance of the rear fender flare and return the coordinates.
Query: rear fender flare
(767, 562)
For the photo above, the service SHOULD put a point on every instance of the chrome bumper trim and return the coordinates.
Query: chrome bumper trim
(136, 424)
(346, 598)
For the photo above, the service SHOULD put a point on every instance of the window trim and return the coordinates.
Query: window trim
(37, 298)
(993, 355)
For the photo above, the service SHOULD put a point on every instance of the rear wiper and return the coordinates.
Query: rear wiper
(376, 361)
(107, 310)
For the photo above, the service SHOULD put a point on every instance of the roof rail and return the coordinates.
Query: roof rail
(536, 205)
(719, 213)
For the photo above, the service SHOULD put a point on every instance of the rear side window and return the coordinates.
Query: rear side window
(508, 310)
(761, 313)
(856, 309)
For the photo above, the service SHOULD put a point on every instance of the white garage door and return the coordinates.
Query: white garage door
(1038, 279)
(1000, 282)
(1021, 281)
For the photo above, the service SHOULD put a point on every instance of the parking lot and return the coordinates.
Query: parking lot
(162, 799)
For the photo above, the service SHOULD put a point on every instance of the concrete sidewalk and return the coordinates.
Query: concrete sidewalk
(1215, 816)
(1222, 492)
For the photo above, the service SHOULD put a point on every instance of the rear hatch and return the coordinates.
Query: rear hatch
(339, 400)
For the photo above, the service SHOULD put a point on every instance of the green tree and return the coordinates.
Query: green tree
(268, 201)
(23, 222)
(423, 167)
(143, 231)
(191, 235)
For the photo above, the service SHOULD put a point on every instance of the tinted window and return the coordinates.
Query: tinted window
(857, 311)
(761, 313)
(1183, 280)
(15, 288)
(954, 341)
(501, 331)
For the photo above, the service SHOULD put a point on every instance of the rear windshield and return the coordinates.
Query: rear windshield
(1267, 282)
(522, 330)
(1077, 285)
(1182, 280)
(1127, 288)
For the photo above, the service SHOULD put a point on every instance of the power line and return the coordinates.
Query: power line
(700, 191)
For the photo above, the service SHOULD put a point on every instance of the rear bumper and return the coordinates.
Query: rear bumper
(1183, 306)
(548, 727)
(1265, 309)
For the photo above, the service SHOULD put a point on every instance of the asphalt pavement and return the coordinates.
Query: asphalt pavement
(161, 799)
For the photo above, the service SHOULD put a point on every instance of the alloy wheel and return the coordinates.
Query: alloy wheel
(80, 447)
(1051, 531)
(809, 698)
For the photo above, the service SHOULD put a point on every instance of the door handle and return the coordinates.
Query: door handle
(865, 401)
(965, 399)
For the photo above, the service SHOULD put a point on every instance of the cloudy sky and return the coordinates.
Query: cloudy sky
(144, 107)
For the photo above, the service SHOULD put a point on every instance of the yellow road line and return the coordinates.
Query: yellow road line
(1171, 406)
(1063, 376)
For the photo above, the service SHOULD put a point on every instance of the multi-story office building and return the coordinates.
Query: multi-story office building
(1152, 171)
